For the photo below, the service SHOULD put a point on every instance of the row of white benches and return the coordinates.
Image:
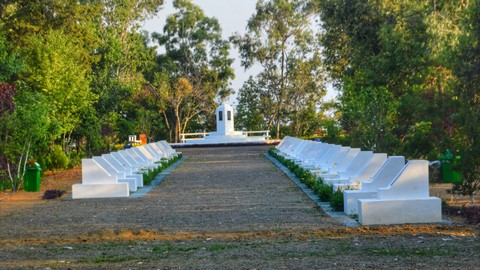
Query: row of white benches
(377, 188)
(119, 173)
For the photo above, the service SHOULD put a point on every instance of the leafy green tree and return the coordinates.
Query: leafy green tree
(251, 114)
(23, 132)
(281, 41)
(194, 69)
(396, 49)
(122, 57)
(466, 65)
(57, 71)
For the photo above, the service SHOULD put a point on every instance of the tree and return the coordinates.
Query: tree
(466, 65)
(396, 49)
(123, 57)
(251, 110)
(57, 71)
(281, 41)
(23, 132)
(195, 67)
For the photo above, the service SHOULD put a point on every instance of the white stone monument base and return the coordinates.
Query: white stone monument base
(351, 197)
(138, 179)
(86, 191)
(132, 183)
(383, 212)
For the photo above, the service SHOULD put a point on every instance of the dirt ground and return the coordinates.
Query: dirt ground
(224, 208)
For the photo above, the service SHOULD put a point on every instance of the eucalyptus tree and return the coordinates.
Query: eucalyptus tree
(194, 69)
(280, 39)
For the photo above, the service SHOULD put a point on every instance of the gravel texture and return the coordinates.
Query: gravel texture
(223, 208)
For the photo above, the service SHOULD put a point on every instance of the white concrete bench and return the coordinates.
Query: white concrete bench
(354, 169)
(368, 189)
(340, 165)
(98, 183)
(121, 176)
(146, 158)
(321, 157)
(366, 174)
(150, 155)
(129, 172)
(333, 157)
(136, 159)
(164, 146)
(315, 154)
(405, 200)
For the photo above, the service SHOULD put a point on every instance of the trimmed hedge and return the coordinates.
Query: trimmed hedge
(151, 174)
(324, 191)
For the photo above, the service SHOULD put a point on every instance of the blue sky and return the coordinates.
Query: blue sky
(232, 15)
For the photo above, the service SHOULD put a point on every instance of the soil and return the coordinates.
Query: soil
(224, 208)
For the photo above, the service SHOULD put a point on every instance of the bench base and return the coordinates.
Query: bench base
(87, 191)
(382, 212)
(351, 197)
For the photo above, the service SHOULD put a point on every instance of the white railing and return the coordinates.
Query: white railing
(184, 137)
(195, 136)
(264, 133)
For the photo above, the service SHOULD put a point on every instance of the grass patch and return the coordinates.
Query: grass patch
(170, 247)
(220, 247)
(113, 259)
(404, 252)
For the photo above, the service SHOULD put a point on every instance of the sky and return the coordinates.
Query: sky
(232, 16)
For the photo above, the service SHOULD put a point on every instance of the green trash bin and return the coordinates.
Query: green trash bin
(31, 181)
(449, 175)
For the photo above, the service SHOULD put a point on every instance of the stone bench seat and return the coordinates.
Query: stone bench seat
(405, 200)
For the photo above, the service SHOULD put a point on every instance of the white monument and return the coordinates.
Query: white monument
(225, 130)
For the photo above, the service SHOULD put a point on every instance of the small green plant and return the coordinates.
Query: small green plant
(336, 200)
(323, 191)
(150, 174)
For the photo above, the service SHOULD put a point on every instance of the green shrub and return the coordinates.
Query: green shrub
(323, 191)
(298, 171)
(5, 185)
(336, 201)
(58, 159)
(76, 159)
(150, 175)
(309, 180)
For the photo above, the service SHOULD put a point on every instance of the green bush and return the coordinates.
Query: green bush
(58, 159)
(76, 159)
(150, 175)
(5, 185)
(323, 191)
(298, 171)
(336, 201)
(309, 181)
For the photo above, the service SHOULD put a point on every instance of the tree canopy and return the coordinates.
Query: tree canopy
(78, 77)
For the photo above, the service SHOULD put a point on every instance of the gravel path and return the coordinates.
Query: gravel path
(217, 190)
(224, 208)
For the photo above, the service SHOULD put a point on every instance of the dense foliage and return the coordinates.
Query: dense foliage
(77, 77)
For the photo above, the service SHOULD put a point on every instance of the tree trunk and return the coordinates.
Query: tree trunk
(177, 126)
(278, 128)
